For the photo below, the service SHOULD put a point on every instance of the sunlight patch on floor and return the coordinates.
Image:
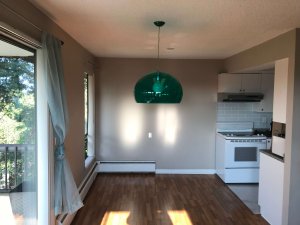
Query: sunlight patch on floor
(6, 213)
(179, 217)
(115, 218)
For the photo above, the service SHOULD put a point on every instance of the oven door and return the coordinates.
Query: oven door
(243, 153)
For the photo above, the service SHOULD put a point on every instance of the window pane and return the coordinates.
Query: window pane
(86, 113)
(17, 134)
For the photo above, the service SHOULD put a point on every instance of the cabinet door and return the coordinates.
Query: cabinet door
(236, 83)
(229, 83)
(267, 88)
(280, 90)
(251, 83)
(270, 193)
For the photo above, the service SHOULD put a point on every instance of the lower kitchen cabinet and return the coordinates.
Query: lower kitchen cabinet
(270, 196)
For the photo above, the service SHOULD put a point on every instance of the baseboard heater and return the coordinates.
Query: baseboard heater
(66, 219)
(126, 166)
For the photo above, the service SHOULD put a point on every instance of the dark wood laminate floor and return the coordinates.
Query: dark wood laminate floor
(145, 199)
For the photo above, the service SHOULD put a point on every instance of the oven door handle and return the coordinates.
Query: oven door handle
(248, 141)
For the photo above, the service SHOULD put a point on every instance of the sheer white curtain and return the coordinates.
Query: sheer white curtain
(66, 196)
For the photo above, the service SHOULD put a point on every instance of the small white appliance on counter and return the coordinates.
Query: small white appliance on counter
(237, 152)
(278, 138)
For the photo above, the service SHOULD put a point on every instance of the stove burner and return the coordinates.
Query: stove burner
(263, 132)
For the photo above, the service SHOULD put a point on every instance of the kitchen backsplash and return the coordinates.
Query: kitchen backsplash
(243, 112)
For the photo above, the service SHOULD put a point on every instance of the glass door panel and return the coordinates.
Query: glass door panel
(18, 174)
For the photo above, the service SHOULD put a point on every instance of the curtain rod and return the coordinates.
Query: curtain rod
(24, 19)
(18, 36)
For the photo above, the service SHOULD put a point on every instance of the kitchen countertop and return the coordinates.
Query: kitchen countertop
(269, 153)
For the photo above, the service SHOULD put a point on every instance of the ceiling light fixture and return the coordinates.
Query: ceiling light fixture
(158, 87)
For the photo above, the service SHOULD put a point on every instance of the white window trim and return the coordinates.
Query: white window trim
(91, 122)
(88, 161)
(43, 147)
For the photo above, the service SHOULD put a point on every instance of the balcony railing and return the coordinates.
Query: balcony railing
(17, 166)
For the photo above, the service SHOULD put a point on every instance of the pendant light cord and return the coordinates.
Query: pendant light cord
(158, 24)
(158, 41)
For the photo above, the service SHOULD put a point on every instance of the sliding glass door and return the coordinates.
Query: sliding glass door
(18, 152)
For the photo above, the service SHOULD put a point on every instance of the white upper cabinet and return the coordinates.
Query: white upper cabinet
(280, 90)
(251, 82)
(229, 82)
(236, 83)
(267, 88)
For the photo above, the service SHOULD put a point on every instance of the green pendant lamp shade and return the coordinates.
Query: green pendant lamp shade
(158, 87)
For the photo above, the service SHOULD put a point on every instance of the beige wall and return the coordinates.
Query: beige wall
(183, 134)
(283, 46)
(76, 61)
(294, 157)
(274, 49)
(122, 125)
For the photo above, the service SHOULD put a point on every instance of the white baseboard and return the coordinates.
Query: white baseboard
(185, 171)
(84, 187)
(126, 167)
(144, 167)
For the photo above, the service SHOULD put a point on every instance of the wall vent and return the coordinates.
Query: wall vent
(127, 167)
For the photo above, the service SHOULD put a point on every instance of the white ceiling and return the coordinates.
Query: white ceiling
(194, 28)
